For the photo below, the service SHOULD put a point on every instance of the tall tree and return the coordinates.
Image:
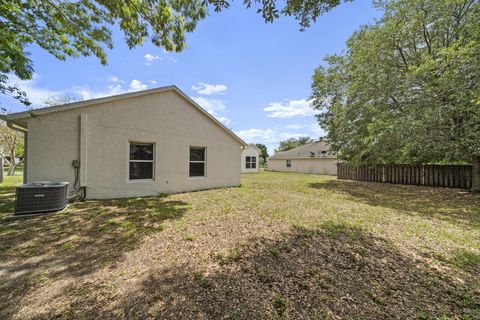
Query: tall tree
(263, 151)
(12, 142)
(407, 89)
(83, 27)
(61, 99)
(293, 143)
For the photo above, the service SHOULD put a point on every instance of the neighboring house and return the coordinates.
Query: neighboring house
(250, 156)
(313, 157)
(134, 144)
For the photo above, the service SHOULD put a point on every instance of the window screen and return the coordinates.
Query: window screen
(197, 162)
(141, 161)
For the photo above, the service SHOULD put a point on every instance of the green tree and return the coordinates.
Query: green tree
(407, 88)
(293, 143)
(263, 151)
(83, 27)
(12, 142)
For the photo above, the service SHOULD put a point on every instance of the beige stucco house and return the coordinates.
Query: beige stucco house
(314, 157)
(249, 161)
(134, 144)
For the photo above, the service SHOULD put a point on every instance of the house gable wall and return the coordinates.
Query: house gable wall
(315, 165)
(249, 151)
(165, 118)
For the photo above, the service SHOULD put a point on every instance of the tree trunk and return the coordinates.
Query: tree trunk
(11, 170)
(12, 164)
(476, 174)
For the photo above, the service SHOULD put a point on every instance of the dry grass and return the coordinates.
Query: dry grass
(282, 246)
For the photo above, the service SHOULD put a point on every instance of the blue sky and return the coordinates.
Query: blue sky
(254, 77)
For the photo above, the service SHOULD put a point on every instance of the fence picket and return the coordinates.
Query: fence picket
(451, 176)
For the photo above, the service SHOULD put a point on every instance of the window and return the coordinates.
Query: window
(289, 163)
(141, 161)
(251, 162)
(197, 162)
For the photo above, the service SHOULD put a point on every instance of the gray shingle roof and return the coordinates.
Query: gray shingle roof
(318, 149)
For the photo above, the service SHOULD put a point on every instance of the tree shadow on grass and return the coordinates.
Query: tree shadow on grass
(7, 199)
(328, 273)
(455, 205)
(79, 241)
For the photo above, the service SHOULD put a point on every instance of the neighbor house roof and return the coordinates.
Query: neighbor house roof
(314, 150)
(20, 117)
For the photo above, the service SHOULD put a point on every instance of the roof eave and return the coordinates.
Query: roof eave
(17, 117)
(86, 103)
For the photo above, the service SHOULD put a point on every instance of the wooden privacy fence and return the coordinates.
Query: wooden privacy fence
(450, 176)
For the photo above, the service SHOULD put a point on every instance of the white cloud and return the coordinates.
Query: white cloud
(211, 105)
(117, 87)
(267, 136)
(289, 109)
(36, 94)
(137, 85)
(209, 89)
(316, 130)
(113, 89)
(312, 127)
(295, 126)
(152, 81)
(215, 107)
(260, 135)
(150, 58)
(112, 79)
(270, 137)
(88, 93)
(226, 121)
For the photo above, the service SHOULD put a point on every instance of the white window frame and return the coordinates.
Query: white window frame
(289, 163)
(153, 161)
(254, 162)
(204, 162)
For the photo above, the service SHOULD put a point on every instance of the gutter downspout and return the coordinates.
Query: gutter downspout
(15, 126)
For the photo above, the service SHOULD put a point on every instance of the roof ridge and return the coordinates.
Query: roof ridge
(301, 147)
(89, 102)
(13, 117)
(304, 152)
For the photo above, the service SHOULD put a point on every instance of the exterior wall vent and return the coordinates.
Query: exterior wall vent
(42, 196)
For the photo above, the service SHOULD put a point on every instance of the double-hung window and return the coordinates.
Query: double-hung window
(289, 163)
(197, 161)
(142, 161)
(250, 162)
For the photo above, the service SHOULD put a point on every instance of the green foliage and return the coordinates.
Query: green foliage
(265, 276)
(263, 151)
(280, 304)
(83, 27)
(13, 144)
(407, 88)
(203, 280)
(293, 143)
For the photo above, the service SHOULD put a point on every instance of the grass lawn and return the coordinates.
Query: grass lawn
(282, 246)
